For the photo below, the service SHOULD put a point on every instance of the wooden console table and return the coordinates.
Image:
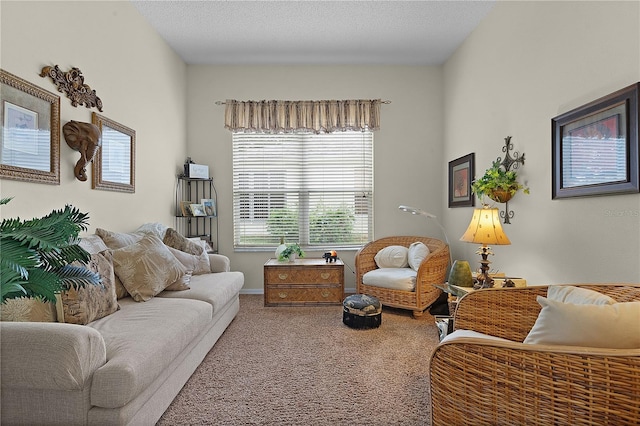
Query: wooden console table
(303, 282)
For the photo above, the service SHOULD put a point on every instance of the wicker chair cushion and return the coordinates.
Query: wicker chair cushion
(458, 334)
(577, 295)
(614, 326)
(392, 257)
(416, 254)
(393, 278)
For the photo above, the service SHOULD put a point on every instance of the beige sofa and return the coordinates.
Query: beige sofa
(125, 368)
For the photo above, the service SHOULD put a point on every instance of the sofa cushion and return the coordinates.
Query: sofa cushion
(392, 257)
(26, 309)
(174, 239)
(614, 326)
(92, 243)
(198, 264)
(146, 267)
(216, 289)
(116, 240)
(155, 228)
(142, 339)
(85, 304)
(394, 278)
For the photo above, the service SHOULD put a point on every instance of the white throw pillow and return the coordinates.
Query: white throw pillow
(418, 251)
(614, 326)
(392, 257)
(394, 278)
(577, 295)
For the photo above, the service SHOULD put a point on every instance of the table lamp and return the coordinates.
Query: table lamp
(485, 229)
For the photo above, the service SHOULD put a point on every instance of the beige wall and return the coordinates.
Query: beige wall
(141, 82)
(526, 63)
(408, 159)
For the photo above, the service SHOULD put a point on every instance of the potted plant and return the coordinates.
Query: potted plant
(498, 184)
(37, 255)
(290, 252)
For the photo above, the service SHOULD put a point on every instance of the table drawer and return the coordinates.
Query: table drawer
(287, 295)
(325, 275)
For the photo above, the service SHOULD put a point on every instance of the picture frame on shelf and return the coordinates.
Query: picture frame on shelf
(185, 208)
(209, 206)
(197, 210)
(30, 141)
(461, 174)
(595, 147)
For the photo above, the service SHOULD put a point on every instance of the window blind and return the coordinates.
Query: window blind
(313, 189)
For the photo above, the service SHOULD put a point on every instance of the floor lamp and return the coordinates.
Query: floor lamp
(420, 212)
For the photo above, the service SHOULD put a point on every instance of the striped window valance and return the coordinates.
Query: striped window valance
(302, 116)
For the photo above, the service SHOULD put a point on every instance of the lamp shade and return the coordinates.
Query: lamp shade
(485, 228)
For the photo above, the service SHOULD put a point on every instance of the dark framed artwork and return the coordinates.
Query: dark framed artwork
(30, 137)
(461, 173)
(595, 147)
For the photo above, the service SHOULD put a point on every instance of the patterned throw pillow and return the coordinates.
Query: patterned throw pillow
(85, 304)
(198, 264)
(25, 309)
(182, 283)
(172, 238)
(116, 240)
(146, 267)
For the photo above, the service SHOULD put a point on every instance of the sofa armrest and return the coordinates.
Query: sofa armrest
(219, 263)
(482, 381)
(37, 355)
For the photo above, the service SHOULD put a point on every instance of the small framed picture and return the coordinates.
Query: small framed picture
(209, 206)
(461, 173)
(185, 208)
(197, 210)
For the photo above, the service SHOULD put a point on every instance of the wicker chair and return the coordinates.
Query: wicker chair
(432, 270)
(480, 382)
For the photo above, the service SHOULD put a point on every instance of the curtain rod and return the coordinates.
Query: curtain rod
(224, 103)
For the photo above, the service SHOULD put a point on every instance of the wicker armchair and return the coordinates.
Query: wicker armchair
(432, 270)
(480, 382)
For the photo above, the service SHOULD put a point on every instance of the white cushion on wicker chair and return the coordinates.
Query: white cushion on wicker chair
(418, 251)
(392, 257)
(459, 334)
(393, 278)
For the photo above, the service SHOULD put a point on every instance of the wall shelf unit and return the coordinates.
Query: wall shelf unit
(205, 224)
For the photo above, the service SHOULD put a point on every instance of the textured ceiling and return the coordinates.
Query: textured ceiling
(314, 32)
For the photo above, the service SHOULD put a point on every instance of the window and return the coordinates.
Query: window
(313, 189)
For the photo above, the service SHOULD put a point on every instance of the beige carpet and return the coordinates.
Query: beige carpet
(302, 366)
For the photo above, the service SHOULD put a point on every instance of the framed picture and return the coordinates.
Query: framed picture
(198, 210)
(30, 137)
(209, 206)
(461, 173)
(185, 208)
(595, 147)
(114, 166)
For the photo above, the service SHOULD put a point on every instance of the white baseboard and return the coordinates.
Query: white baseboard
(349, 290)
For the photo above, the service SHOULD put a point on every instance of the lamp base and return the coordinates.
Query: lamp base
(483, 279)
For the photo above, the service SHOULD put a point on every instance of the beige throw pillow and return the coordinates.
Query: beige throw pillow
(392, 257)
(146, 267)
(198, 264)
(614, 326)
(182, 283)
(174, 239)
(116, 240)
(577, 295)
(85, 304)
(24, 309)
(418, 251)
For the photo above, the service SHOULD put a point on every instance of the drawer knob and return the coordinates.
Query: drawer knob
(282, 295)
(283, 276)
(325, 294)
(325, 275)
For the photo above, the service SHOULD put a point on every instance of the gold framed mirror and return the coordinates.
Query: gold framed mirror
(114, 164)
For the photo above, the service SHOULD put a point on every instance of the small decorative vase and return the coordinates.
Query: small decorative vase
(293, 256)
(460, 274)
(282, 247)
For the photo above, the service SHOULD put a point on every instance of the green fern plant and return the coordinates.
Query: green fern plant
(36, 255)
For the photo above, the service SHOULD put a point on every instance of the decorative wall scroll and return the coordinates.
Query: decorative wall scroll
(595, 147)
(30, 137)
(72, 84)
(114, 165)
